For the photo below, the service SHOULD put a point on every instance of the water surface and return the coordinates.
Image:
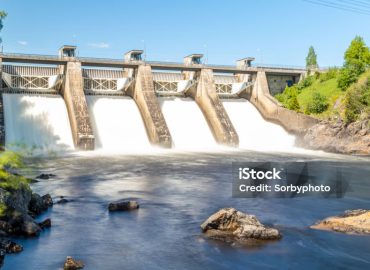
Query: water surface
(177, 192)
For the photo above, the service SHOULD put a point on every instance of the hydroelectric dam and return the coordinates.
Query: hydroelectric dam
(69, 102)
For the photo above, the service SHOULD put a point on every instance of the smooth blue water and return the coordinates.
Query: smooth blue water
(177, 192)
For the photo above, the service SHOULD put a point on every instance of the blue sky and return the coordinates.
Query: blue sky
(275, 32)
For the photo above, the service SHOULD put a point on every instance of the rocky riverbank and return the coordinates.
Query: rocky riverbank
(338, 137)
(19, 207)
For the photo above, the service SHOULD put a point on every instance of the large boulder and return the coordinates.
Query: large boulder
(72, 264)
(38, 203)
(123, 205)
(351, 222)
(23, 224)
(231, 225)
(17, 199)
(29, 227)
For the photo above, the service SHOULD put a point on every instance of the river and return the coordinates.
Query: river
(177, 191)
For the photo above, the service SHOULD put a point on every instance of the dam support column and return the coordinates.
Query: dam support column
(214, 112)
(144, 95)
(74, 97)
(272, 110)
(2, 120)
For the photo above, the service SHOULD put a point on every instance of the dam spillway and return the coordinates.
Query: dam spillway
(255, 133)
(189, 129)
(36, 121)
(117, 124)
(125, 106)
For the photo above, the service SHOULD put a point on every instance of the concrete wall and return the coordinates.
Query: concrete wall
(74, 97)
(207, 99)
(277, 83)
(259, 96)
(143, 94)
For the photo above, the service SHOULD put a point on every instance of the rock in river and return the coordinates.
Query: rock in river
(351, 222)
(45, 224)
(72, 264)
(10, 246)
(45, 176)
(233, 226)
(123, 205)
(38, 203)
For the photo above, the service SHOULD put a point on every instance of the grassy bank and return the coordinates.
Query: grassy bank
(320, 96)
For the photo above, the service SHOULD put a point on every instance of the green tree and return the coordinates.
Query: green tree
(357, 54)
(2, 16)
(356, 61)
(311, 59)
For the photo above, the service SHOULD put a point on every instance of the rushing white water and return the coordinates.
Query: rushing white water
(117, 124)
(255, 133)
(36, 122)
(187, 125)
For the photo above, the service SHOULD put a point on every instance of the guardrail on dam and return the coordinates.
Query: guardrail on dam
(75, 77)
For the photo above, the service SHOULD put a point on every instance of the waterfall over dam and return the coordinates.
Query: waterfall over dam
(129, 105)
(34, 121)
(255, 133)
(117, 124)
(189, 129)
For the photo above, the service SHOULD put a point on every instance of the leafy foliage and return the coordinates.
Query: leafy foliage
(318, 104)
(356, 61)
(9, 181)
(306, 82)
(311, 59)
(3, 14)
(331, 73)
(357, 100)
(289, 98)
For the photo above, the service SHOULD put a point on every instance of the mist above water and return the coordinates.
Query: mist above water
(255, 133)
(38, 122)
(42, 122)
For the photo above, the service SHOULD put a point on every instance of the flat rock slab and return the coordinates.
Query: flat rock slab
(351, 222)
(123, 205)
(233, 226)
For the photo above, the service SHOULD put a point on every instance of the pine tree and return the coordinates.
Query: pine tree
(2, 16)
(311, 59)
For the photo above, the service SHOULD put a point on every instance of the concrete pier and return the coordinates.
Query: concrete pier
(259, 96)
(74, 97)
(143, 94)
(208, 101)
(2, 120)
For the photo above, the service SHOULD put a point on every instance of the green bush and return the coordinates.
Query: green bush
(328, 75)
(306, 82)
(289, 98)
(348, 76)
(318, 104)
(357, 100)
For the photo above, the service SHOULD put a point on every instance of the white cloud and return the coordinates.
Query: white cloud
(101, 45)
(23, 43)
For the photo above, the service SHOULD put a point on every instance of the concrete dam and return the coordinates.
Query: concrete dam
(65, 102)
